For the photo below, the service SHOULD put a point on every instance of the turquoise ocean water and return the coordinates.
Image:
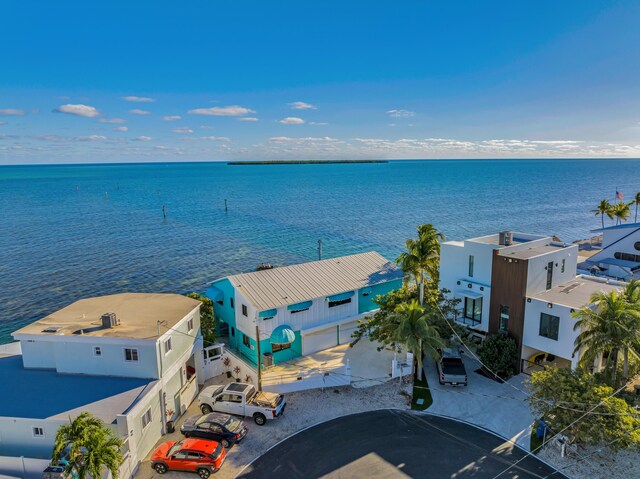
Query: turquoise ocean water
(61, 239)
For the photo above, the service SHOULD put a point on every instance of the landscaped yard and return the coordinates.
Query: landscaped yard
(421, 399)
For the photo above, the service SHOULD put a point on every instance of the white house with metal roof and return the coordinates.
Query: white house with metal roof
(300, 309)
(133, 360)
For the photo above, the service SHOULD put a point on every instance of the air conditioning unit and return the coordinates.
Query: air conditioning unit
(109, 320)
(506, 238)
(267, 360)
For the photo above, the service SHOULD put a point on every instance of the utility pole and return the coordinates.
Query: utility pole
(259, 358)
(319, 249)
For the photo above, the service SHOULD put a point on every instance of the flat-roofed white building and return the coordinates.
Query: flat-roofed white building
(619, 256)
(131, 359)
(549, 334)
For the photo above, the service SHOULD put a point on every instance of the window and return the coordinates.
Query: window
(246, 341)
(562, 267)
(549, 326)
(233, 332)
(280, 347)
(504, 319)
(190, 325)
(244, 310)
(549, 274)
(38, 431)
(333, 304)
(97, 351)
(471, 259)
(146, 418)
(194, 456)
(131, 354)
(231, 302)
(180, 455)
(636, 245)
(473, 310)
(167, 346)
(220, 302)
(627, 256)
(294, 311)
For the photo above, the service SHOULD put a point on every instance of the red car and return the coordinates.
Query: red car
(191, 455)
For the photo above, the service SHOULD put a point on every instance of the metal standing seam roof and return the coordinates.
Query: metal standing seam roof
(285, 285)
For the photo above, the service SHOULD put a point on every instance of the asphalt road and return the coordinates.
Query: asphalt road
(395, 444)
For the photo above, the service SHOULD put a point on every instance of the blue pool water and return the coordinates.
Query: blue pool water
(59, 243)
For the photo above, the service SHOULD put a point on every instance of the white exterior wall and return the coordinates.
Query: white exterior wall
(537, 273)
(318, 314)
(76, 356)
(454, 268)
(16, 437)
(182, 341)
(38, 354)
(563, 347)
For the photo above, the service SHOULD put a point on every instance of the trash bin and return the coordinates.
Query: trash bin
(541, 429)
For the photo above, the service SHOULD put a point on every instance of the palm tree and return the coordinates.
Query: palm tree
(609, 325)
(89, 446)
(636, 201)
(621, 211)
(604, 208)
(422, 256)
(416, 332)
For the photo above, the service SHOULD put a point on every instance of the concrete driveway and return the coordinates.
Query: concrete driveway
(498, 407)
(399, 445)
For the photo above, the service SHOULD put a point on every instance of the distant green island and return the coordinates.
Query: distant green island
(303, 162)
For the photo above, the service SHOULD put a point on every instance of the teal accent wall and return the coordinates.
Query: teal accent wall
(251, 353)
(365, 303)
(224, 312)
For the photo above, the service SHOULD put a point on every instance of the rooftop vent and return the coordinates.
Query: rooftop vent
(505, 238)
(52, 329)
(109, 320)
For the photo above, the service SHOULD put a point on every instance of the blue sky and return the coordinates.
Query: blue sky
(202, 80)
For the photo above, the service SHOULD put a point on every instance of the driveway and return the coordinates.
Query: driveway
(396, 444)
(498, 407)
(304, 409)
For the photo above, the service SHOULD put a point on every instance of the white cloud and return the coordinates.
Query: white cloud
(78, 110)
(300, 105)
(184, 129)
(91, 138)
(401, 113)
(207, 127)
(291, 120)
(142, 138)
(233, 110)
(121, 128)
(172, 117)
(138, 99)
(112, 120)
(11, 112)
(247, 118)
(318, 123)
(210, 138)
(137, 111)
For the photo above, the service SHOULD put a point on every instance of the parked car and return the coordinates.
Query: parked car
(451, 368)
(191, 455)
(223, 428)
(242, 399)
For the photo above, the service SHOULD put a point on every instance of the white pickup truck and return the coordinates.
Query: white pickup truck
(242, 399)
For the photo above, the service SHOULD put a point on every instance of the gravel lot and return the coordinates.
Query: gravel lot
(304, 409)
(601, 465)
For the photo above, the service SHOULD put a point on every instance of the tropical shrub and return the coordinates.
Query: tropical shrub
(499, 353)
(562, 397)
(208, 323)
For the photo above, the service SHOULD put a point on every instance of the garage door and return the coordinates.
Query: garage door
(346, 330)
(327, 338)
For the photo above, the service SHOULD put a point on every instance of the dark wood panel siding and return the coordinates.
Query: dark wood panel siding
(508, 287)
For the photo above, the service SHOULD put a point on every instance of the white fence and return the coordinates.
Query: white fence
(239, 368)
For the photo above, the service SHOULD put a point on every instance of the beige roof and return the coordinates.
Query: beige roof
(532, 252)
(577, 293)
(293, 284)
(138, 314)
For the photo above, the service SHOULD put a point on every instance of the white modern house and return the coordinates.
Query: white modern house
(522, 285)
(297, 310)
(130, 359)
(619, 257)
(549, 333)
